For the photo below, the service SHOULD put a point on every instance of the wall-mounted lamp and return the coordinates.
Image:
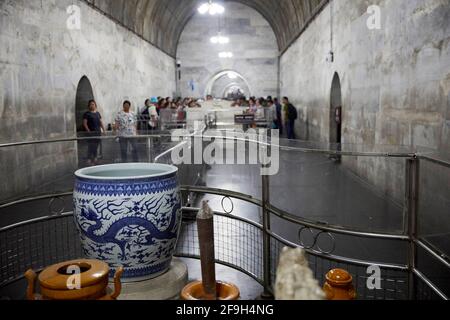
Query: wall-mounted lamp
(330, 57)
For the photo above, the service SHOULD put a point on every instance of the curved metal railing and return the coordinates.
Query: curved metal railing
(267, 244)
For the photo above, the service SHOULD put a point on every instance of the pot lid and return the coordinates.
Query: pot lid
(339, 277)
(58, 276)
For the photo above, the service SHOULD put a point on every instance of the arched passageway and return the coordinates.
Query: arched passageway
(84, 94)
(233, 91)
(219, 86)
(251, 52)
(219, 83)
(336, 111)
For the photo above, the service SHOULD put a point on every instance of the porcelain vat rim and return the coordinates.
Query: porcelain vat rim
(86, 173)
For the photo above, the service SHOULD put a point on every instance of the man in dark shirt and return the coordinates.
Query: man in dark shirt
(93, 124)
(279, 121)
(291, 116)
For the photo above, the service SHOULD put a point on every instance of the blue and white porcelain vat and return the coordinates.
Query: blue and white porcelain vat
(129, 215)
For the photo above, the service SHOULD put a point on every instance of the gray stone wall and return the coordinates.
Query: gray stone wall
(253, 44)
(395, 81)
(41, 63)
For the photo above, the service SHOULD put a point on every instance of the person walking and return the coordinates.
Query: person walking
(126, 127)
(93, 125)
(291, 116)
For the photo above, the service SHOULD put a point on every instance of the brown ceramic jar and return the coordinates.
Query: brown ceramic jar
(339, 285)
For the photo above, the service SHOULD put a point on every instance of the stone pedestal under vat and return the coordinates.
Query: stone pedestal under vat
(165, 287)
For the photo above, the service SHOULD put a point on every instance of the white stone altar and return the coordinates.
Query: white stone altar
(220, 111)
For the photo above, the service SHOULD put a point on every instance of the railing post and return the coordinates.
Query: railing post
(150, 149)
(412, 195)
(266, 238)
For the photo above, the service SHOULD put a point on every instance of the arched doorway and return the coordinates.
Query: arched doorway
(336, 111)
(217, 86)
(233, 91)
(84, 94)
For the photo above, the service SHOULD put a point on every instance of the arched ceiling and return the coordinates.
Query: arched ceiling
(161, 22)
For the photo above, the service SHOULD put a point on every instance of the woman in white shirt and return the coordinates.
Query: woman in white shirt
(126, 127)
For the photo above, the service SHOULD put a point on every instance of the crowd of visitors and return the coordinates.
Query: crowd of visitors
(280, 116)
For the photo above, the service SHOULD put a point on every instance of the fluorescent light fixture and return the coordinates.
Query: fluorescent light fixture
(211, 8)
(220, 40)
(225, 55)
(204, 8)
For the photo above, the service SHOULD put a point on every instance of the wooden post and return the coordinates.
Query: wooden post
(205, 224)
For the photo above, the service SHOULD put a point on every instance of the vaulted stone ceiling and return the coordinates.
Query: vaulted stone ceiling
(161, 22)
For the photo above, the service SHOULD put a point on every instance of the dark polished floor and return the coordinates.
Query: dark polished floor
(317, 189)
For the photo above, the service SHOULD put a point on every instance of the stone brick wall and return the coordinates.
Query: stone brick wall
(41, 63)
(395, 81)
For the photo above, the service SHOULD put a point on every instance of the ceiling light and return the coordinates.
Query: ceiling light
(232, 75)
(211, 8)
(220, 40)
(225, 55)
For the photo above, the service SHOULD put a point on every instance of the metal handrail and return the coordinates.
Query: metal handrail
(179, 145)
(333, 228)
(236, 139)
(250, 199)
(405, 155)
(222, 192)
(430, 284)
(43, 197)
(340, 259)
(76, 139)
(434, 160)
(444, 259)
(169, 151)
(295, 219)
(40, 219)
(226, 215)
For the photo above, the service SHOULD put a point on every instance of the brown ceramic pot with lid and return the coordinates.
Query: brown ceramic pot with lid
(58, 282)
(339, 285)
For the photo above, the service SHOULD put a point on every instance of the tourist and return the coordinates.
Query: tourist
(144, 117)
(291, 116)
(162, 104)
(150, 115)
(237, 103)
(93, 124)
(279, 119)
(181, 113)
(272, 114)
(126, 127)
(252, 106)
(260, 112)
